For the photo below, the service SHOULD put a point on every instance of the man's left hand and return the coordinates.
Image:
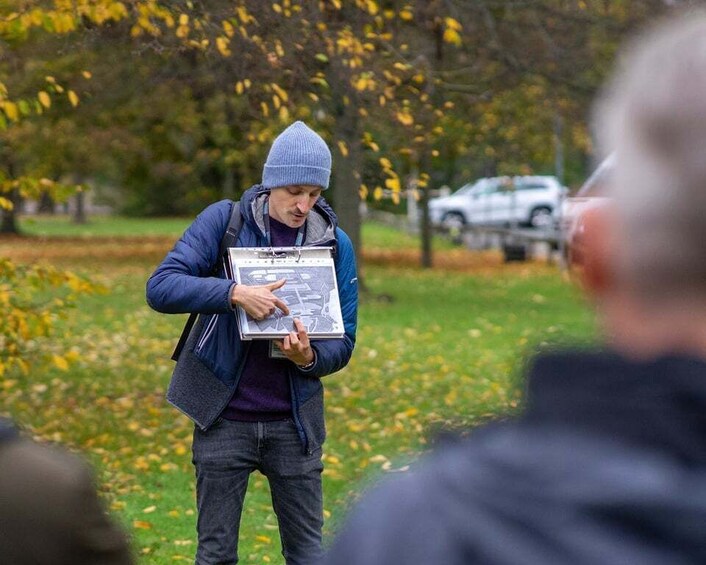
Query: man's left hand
(296, 345)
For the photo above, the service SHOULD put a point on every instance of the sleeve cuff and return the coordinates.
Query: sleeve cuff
(309, 366)
(231, 306)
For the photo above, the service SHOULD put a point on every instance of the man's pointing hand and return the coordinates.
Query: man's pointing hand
(259, 301)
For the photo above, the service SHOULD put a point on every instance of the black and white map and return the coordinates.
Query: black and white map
(311, 290)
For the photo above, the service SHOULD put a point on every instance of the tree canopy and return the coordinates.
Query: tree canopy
(162, 107)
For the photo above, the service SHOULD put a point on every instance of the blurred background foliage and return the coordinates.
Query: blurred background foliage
(162, 107)
(158, 108)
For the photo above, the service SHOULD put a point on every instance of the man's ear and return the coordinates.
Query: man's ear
(592, 250)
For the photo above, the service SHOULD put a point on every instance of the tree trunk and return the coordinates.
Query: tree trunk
(347, 162)
(427, 259)
(79, 216)
(228, 183)
(559, 146)
(425, 229)
(46, 204)
(8, 221)
(346, 176)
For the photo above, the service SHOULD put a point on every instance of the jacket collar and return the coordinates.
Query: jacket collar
(660, 403)
(320, 225)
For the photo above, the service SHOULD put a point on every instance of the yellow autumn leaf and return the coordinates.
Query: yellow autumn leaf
(343, 148)
(280, 92)
(243, 14)
(406, 14)
(222, 44)
(149, 509)
(73, 98)
(44, 98)
(87, 75)
(385, 162)
(377, 193)
(453, 24)
(363, 192)
(395, 197)
(141, 524)
(405, 118)
(452, 36)
(263, 539)
(393, 184)
(60, 363)
(8, 384)
(11, 110)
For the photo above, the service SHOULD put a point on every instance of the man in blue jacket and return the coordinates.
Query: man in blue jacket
(254, 410)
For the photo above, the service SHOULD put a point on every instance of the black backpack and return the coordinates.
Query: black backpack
(230, 236)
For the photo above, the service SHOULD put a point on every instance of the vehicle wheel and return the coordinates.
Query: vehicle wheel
(453, 221)
(541, 218)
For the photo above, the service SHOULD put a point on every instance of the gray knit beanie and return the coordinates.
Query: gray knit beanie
(298, 156)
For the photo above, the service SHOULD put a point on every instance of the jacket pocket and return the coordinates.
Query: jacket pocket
(311, 417)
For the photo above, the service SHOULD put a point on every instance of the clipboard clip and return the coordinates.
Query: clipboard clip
(273, 255)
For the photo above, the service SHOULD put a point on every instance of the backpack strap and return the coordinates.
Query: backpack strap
(230, 236)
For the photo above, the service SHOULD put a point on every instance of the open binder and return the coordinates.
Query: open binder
(311, 290)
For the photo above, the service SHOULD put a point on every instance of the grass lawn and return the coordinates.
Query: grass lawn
(435, 348)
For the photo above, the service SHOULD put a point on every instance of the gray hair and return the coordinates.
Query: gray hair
(653, 115)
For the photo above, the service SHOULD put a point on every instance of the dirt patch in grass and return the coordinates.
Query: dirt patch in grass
(80, 250)
(87, 252)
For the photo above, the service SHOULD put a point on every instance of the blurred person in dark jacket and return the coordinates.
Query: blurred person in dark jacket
(607, 462)
(50, 513)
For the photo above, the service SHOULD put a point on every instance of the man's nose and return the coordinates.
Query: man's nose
(304, 204)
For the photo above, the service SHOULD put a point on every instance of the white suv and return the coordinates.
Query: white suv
(527, 200)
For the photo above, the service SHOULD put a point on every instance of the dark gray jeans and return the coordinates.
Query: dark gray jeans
(224, 457)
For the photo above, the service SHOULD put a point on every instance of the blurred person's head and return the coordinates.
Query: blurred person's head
(646, 252)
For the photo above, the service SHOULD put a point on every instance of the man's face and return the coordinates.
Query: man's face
(291, 204)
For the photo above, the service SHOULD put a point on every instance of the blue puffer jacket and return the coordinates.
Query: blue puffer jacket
(214, 355)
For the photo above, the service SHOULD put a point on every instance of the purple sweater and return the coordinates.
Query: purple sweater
(263, 393)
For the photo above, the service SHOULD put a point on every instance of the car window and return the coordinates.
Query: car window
(531, 186)
(465, 189)
(481, 186)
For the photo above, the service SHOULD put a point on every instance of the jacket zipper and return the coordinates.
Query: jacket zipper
(207, 332)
